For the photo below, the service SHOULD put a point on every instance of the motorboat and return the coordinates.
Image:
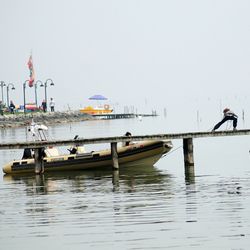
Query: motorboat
(145, 153)
(137, 154)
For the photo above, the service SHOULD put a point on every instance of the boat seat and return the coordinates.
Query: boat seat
(80, 150)
(49, 152)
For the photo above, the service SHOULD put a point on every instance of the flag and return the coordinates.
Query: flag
(32, 73)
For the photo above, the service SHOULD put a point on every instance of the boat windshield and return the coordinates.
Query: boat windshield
(38, 131)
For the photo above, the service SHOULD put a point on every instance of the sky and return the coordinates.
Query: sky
(147, 54)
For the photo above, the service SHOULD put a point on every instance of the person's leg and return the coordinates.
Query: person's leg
(220, 123)
(234, 122)
(234, 119)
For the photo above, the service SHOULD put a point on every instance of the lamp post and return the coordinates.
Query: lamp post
(45, 89)
(41, 83)
(13, 88)
(24, 100)
(2, 84)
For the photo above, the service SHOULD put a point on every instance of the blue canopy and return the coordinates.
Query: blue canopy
(98, 97)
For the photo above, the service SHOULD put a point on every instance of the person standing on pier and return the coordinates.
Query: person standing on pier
(228, 116)
(12, 107)
(52, 105)
(44, 106)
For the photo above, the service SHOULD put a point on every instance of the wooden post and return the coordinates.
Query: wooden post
(188, 157)
(39, 164)
(114, 155)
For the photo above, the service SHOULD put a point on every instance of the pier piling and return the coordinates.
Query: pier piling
(39, 164)
(188, 156)
(114, 155)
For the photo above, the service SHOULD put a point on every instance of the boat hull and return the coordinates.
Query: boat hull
(144, 153)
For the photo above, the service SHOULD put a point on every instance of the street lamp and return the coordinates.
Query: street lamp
(2, 84)
(24, 100)
(12, 87)
(45, 89)
(41, 83)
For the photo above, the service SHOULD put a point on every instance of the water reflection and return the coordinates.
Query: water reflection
(115, 180)
(191, 200)
(3, 133)
(129, 179)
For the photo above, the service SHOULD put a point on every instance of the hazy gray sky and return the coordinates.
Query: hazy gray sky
(135, 52)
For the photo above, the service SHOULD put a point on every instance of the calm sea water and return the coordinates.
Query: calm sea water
(141, 208)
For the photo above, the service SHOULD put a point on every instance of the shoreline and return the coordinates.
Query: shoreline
(48, 118)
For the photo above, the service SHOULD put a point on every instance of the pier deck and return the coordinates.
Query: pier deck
(99, 140)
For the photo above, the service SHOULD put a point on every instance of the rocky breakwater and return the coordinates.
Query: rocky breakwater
(18, 120)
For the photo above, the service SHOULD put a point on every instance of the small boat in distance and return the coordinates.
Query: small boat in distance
(99, 110)
(145, 153)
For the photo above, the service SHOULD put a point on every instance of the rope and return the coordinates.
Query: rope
(170, 152)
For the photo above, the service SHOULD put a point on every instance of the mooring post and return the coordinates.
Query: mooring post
(39, 164)
(114, 155)
(188, 156)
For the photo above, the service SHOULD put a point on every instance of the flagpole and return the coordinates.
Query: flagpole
(24, 97)
(45, 89)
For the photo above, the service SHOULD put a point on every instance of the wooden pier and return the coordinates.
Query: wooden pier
(186, 137)
(122, 115)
